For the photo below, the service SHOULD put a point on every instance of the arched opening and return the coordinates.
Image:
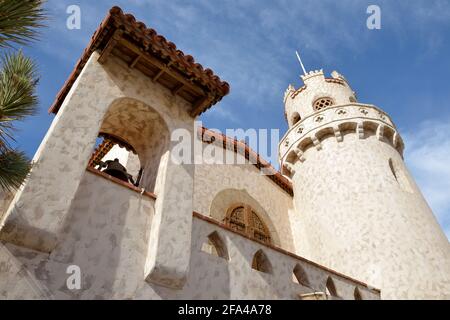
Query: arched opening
(117, 158)
(306, 144)
(215, 246)
(245, 220)
(391, 166)
(347, 128)
(331, 288)
(300, 276)
(357, 294)
(370, 128)
(228, 199)
(388, 134)
(295, 118)
(261, 263)
(325, 133)
(133, 139)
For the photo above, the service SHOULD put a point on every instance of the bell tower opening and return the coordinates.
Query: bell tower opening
(117, 158)
(133, 140)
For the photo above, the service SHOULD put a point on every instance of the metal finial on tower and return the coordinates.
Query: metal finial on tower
(301, 63)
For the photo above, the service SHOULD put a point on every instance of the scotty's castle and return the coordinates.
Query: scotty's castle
(343, 219)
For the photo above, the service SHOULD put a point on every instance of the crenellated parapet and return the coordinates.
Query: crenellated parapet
(316, 93)
(334, 122)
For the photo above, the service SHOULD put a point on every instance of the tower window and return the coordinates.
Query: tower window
(322, 103)
(400, 176)
(245, 220)
(295, 118)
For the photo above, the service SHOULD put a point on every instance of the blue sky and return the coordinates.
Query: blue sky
(403, 68)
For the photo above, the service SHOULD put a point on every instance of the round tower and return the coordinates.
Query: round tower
(359, 210)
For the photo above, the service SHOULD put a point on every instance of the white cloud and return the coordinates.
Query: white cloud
(427, 155)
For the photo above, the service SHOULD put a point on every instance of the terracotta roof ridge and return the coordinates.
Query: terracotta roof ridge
(242, 147)
(167, 47)
(128, 29)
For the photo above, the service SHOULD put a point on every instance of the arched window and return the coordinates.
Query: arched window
(215, 246)
(322, 103)
(331, 288)
(295, 118)
(261, 263)
(245, 220)
(357, 294)
(300, 275)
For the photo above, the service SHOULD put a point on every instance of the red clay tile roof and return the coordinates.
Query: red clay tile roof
(155, 46)
(242, 148)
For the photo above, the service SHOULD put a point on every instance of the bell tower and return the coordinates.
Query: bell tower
(358, 209)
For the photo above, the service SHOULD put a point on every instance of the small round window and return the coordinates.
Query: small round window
(322, 103)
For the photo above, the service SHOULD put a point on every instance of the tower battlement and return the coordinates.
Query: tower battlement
(311, 74)
(318, 92)
(362, 120)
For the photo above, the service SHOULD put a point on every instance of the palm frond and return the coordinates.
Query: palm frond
(18, 80)
(19, 20)
(14, 168)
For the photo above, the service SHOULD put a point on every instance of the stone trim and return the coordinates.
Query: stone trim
(122, 183)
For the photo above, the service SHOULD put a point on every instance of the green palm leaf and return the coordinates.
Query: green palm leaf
(14, 168)
(19, 20)
(18, 79)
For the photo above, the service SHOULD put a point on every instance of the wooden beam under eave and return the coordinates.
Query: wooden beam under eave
(136, 60)
(113, 41)
(177, 88)
(158, 75)
(198, 106)
(163, 68)
(161, 72)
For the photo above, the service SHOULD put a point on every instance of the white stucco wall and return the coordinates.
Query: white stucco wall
(106, 235)
(223, 185)
(353, 213)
